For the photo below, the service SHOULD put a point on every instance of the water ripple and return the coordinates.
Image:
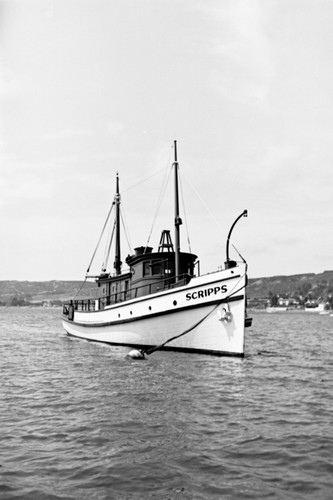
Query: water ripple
(81, 421)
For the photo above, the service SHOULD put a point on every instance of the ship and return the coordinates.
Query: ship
(161, 301)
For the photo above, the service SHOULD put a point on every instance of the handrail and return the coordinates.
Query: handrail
(89, 304)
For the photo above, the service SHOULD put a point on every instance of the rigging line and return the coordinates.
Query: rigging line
(203, 202)
(239, 253)
(79, 290)
(159, 203)
(185, 217)
(144, 180)
(109, 240)
(107, 219)
(160, 161)
(241, 288)
(123, 220)
(107, 251)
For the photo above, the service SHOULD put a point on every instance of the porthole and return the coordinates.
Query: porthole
(118, 315)
(131, 313)
(149, 308)
(175, 302)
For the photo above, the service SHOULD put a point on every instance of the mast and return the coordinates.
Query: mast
(178, 220)
(117, 260)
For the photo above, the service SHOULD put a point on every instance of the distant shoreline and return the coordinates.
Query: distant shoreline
(290, 290)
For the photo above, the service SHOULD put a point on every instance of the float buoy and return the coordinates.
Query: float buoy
(136, 354)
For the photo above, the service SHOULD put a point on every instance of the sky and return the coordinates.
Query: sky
(89, 88)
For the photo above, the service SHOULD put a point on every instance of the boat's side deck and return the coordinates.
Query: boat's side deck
(219, 287)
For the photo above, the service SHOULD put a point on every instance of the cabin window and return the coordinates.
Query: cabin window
(153, 268)
(146, 269)
(124, 285)
(156, 268)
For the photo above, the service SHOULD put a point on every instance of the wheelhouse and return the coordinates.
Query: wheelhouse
(149, 272)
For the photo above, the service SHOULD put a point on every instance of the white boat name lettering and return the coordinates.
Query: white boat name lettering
(200, 294)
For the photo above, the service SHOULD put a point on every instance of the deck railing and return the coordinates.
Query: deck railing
(99, 303)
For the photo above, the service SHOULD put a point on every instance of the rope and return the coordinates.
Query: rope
(218, 225)
(144, 180)
(92, 258)
(161, 160)
(123, 220)
(239, 253)
(156, 348)
(79, 290)
(159, 203)
(183, 203)
(108, 249)
(153, 349)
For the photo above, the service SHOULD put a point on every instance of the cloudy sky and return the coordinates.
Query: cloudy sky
(92, 87)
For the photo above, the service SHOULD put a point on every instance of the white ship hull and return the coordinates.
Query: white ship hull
(207, 315)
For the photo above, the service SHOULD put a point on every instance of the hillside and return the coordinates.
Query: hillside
(316, 285)
(13, 292)
(308, 285)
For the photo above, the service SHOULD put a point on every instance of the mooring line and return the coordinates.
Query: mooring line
(156, 348)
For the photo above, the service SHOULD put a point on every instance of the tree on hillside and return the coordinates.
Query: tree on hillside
(273, 299)
(304, 289)
(18, 301)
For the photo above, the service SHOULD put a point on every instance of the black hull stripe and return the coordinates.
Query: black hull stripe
(153, 315)
(173, 349)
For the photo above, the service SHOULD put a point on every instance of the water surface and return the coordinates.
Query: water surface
(79, 420)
